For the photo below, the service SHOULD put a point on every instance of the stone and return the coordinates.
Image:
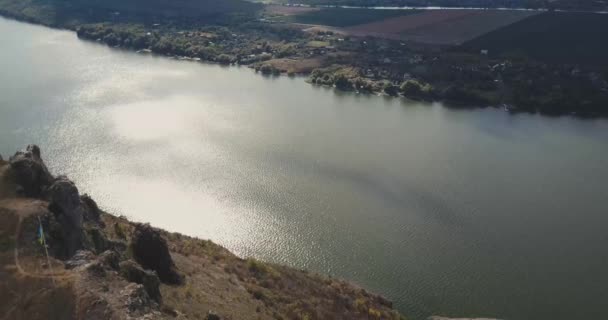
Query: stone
(150, 250)
(65, 204)
(96, 268)
(132, 272)
(110, 259)
(64, 195)
(211, 315)
(136, 298)
(29, 171)
(91, 212)
(80, 258)
(98, 240)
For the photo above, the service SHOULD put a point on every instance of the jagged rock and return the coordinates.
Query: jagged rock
(64, 195)
(131, 271)
(117, 245)
(211, 315)
(29, 171)
(110, 258)
(151, 251)
(91, 212)
(65, 203)
(80, 258)
(136, 298)
(96, 268)
(97, 240)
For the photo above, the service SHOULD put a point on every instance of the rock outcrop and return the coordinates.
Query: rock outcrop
(151, 251)
(29, 171)
(132, 272)
(136, 299)
(66, 205)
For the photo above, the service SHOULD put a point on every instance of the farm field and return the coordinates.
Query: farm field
(289, 10)
(559, 37)
(441, 27)
(343, 17)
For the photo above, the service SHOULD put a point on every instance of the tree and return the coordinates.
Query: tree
(391, 89)
(342, 82)
(411, 88)
(224, 59)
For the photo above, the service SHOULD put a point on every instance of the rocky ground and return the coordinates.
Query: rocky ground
(105, 267)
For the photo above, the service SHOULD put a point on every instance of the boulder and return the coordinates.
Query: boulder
(151, 251)
(29, 171)
(96, 268)
(91, 212)
(136, 298)
(97, 240)
(132, 272)
(64, 196)
(65, 204)
(110, 259)
(80, 258)
(211, 315)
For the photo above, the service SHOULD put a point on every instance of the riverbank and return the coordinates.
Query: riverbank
(460, 78)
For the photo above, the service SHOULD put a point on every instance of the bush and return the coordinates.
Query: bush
(411, 88)
(342, 82)
(224, 59)
(391, 89)
(268, 69)
(363, 85)
(414, 88)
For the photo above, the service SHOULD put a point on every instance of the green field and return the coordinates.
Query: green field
(342, 17)
(556, 37)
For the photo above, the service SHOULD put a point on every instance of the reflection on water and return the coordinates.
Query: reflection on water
(443, 211)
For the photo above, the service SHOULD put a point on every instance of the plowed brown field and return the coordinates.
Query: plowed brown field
(444, 27)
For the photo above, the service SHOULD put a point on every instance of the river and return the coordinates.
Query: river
(462, 213)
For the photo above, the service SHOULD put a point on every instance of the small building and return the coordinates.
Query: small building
(484, 52)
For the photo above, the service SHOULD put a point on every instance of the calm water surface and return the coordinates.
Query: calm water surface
(444, 212)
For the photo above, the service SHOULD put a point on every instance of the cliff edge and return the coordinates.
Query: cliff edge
(62, 257)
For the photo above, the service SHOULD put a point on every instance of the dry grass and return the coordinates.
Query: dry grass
(296, 66)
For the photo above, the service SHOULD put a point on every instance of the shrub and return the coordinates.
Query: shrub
(391, 89)
(342, 82)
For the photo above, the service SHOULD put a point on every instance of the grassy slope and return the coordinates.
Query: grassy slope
(577, 38)
(240, 288)
(215, 279)
(340, 17)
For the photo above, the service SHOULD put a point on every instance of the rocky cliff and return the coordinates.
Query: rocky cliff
(100, 266)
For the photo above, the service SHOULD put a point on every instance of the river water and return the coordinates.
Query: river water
(462, 213)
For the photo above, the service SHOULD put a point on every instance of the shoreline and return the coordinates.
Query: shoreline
(445, 93)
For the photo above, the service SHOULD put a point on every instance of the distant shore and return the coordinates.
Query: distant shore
(460, 77)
